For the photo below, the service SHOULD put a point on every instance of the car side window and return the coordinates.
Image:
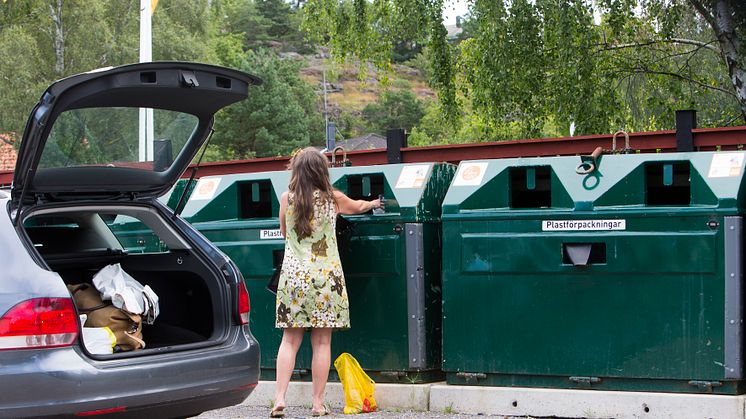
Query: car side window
(133, 234)
(44, 232)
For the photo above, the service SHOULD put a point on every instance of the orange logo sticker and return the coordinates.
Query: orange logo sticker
(470, 174)
(205, 188)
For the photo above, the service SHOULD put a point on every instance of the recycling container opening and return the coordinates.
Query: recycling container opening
(367, 186)
(530, 187)
(668, 183)
(255, 198)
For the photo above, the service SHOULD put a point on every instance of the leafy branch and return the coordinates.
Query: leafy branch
(682, 41)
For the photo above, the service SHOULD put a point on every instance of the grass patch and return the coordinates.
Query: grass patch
(449, 409)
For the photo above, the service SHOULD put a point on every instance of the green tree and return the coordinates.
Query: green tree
(546, 65)
(44, 40)
(395, 109)
(182, 31)
(262, 23)
(278, 117)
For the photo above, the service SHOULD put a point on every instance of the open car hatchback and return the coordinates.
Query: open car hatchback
(97, 152)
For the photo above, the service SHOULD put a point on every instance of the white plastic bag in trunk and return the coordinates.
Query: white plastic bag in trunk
(126, 293)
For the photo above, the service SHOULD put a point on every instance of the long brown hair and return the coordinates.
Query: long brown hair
(310, 173)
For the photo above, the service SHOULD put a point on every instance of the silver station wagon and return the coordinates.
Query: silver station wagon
(89, 192)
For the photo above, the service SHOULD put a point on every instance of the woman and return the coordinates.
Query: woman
(311, 292)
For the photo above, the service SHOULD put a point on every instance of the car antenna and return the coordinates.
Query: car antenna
(180, 205)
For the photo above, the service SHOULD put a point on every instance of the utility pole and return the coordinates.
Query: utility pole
(146, 55)
(331, 129)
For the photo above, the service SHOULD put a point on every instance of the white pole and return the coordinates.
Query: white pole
(146, 55)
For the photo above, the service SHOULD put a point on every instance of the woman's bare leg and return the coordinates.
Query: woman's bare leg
(321, 340)
(291, 340)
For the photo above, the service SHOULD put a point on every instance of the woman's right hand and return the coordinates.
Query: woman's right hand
(348, 206)
(377, 203)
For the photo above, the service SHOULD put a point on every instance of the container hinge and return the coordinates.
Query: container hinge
(398, 375)
(705, 386)
(471, 376)
(585, 381)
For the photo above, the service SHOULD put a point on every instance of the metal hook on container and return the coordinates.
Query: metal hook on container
(626, 141)
(589, 163)
(334, 156)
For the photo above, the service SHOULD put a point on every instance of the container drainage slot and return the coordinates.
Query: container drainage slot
(668, 183)
(583, 254)
(255, 199)
(531, 187)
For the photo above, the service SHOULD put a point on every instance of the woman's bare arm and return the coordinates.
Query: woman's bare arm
(283, 208)
(346, 205)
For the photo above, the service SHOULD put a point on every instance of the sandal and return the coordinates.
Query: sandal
(320, 412)
(277, 412)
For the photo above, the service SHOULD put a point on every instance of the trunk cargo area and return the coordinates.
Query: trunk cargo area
(77, 243)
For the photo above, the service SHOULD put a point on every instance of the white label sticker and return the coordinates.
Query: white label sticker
(583, 225)
(205, 188)
(726, 165)
(470, 174)
(270, 234)
(413, 176)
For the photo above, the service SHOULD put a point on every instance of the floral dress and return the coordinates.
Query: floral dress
(311, 292)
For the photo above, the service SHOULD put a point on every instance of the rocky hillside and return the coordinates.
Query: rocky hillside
(346, 92)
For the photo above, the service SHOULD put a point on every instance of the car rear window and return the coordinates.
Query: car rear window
(117, 136)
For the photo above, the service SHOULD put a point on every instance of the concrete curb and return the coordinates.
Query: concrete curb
(518, 401)
(388, 396)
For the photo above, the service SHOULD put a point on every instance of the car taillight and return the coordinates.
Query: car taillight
(39, 323)
(244, 305)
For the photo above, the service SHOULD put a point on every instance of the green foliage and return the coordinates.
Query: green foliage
(532, 67)
(404, 51)
(181, 30)
(473, 127)
(350, 124)
(278, 117)
(401, 84)
(41, 42)
(395, 109)
(369, 32)
(23, 89)
(262, 24)
(421, 62)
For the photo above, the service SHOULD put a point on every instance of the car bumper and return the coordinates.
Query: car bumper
(63, 382)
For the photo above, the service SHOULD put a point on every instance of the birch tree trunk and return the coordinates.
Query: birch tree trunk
(721, 18)
(58, 37)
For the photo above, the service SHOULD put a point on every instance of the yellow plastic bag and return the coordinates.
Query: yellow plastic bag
(358, 387)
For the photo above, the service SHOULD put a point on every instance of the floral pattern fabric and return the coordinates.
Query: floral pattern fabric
(311, 292)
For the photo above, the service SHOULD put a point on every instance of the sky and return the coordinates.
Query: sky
(453, 8)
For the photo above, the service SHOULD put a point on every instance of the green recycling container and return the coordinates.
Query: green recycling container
(172, 197)
(135, 236)
(240, 215)
(391, 263)
(625, 278)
